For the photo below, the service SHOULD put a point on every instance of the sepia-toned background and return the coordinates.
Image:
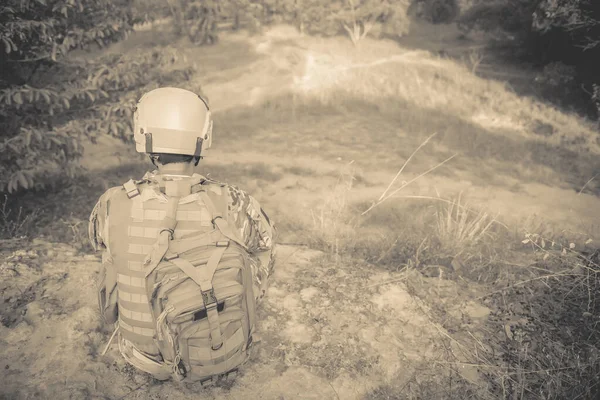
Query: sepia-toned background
(432, 166)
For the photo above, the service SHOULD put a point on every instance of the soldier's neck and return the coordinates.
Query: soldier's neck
(182, 169)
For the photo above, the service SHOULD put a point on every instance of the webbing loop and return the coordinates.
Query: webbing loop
(131, 189)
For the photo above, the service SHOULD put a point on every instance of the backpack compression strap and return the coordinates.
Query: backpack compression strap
(203, 277)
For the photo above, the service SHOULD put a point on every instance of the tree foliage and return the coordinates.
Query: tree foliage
(439, 11)
(547, 32)
(357, 17)
(50, 102)
(197, 19)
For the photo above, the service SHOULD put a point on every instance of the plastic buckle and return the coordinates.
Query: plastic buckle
(209, 298)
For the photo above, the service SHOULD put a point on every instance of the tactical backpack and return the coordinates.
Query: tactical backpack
(179, 282)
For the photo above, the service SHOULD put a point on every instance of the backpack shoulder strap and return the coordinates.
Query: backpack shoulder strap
(220, 221)
(166, 229)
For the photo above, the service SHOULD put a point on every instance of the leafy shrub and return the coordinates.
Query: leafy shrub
(557, 82)
(50, 103)
(511, 17)
(579, 18)
(358, 17)
(333, 17)
(315, 17)
(545, 32)
(596, 98)
(438, 11)
(150, 10)
(197, 19)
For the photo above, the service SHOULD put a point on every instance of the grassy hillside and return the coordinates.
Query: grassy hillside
(494, 246)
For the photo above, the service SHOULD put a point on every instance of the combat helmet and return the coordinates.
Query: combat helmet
(173, 121)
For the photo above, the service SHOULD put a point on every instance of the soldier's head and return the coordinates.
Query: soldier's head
(173, 126)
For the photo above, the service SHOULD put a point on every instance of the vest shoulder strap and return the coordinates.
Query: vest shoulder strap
(131, 188)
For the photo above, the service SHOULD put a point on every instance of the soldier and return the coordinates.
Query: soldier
(185, 259)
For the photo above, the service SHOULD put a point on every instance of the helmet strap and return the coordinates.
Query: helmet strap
(198, 150)
(148, 142)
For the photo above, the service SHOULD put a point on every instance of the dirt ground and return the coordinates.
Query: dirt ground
(327, 329)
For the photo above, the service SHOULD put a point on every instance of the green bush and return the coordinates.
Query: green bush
(358, 17)
(333, 17)
(197, 19)
(150, 10)
(439, 11)
(596, 98)
(546, 32)
(50, 102)
(513, 17)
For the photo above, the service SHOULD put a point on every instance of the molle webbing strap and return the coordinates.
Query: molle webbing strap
(182, 245)
(219, 221)
(166, 229)
(203, 277)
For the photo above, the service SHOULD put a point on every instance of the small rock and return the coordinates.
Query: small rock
(90, 257)
(308, 293)
(139, 379)
(341, 288)
(34, 313)
(476, 311)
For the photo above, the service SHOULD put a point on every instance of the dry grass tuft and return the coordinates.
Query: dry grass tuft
(459, 227)
(16, 222)
(332, 223)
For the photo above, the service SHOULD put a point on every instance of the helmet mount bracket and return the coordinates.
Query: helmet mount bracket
(198, 150)
(148, 142)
